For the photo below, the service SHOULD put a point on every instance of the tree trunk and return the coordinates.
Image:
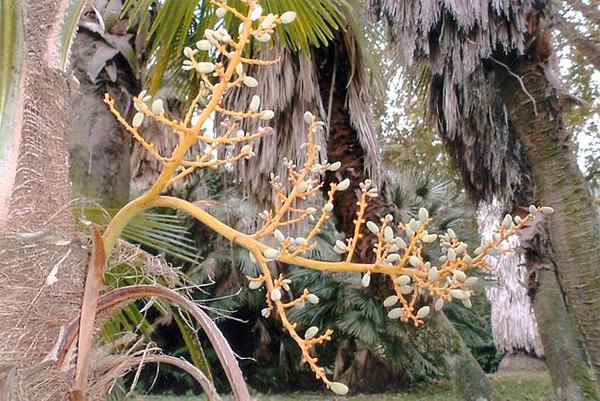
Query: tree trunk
(343, 144)
(40, 258)
(574, 229)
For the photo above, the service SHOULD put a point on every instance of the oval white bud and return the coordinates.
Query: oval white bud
(250, 82)
(255, 284)
(403, 280)
(546, 210)
(311, 332)
(288, 17)
(266, 312)
(439, 304)
(343, 185)
(203, 45)
(334, 166)
(415, 261)
(406, 289)
(328, 207)
(392, 257)
(312, 298)
(256, 13)
(423, 312)
(366, 279)
(339, 388)
(265, 37)
(309, 118)
(254, 104)
(267, 115)
(388, 233)
(395, 313)
(341, 245)
(390, 301)
(205, 67)
(188, 52)
(459, 275)
(433, 274)
(278, 235)
(268, 21)
(372, 227)
(429, 238)
(220, 12)
(276, 295)
(158, 106)
(138, 120)
(423, 214)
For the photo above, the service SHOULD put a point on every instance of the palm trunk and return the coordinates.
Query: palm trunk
(37, 233)
(343, 144)
(574, 229)
(99, 146)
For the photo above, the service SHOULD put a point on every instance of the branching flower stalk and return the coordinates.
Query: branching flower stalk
(399, 248)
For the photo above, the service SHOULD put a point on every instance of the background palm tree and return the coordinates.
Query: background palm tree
(471, 52)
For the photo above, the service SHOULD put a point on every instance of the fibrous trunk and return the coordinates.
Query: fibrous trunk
(574, 227)
(40, 258)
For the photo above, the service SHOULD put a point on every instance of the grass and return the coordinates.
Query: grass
(508, 387)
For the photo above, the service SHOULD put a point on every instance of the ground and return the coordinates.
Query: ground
(507, 387)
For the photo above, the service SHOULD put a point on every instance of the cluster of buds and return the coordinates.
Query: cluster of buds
(399, 249)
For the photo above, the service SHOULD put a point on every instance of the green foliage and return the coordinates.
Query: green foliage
(168, 27)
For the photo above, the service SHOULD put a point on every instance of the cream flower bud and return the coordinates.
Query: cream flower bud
(254, 104)
(288, 17)
(267, 115)
(278, 235)
(406, 289)
(266, 312)
(205, 67)
(138, 120)
(312, 298)
(423, 214)
(423, 312)
(220, 12)
(392, 257)
(433, 274)
(158, 106)
(546, 210)
(268, 22)
(275, 295)
(203, 45)
(429, 238)
(265, 37)
(459, 275)
(328, 207)
(255, 284)
(250, 82)
(256, 13)
(395, 313)
(311, 332)
(388, 233)
(343, 185)
(366, 279)
(373, 227)
(415, 261)
(334, 166)
(339, 388)
(309, 118)
(403, 280)
(188, 52)
(390, 301)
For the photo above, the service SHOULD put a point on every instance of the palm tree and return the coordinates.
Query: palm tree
(42, 265)
(483, 105)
